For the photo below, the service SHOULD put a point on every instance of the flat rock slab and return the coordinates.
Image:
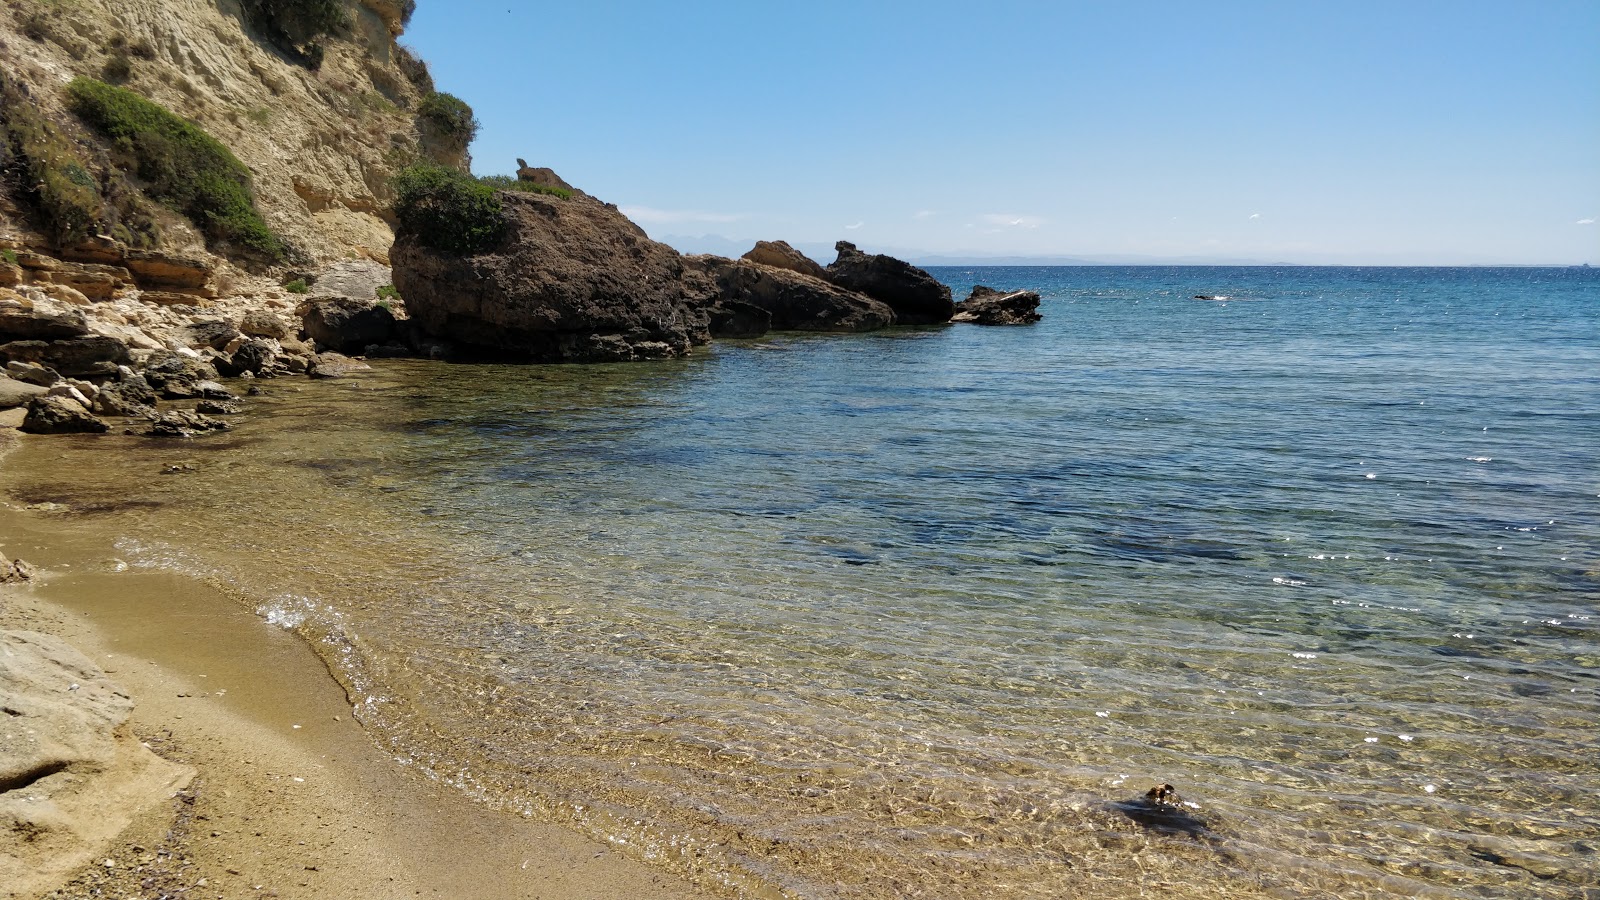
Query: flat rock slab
(71, 776)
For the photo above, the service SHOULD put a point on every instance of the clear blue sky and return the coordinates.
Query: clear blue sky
(1450, 132)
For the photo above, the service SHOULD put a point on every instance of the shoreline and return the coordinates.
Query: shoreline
(292, 798)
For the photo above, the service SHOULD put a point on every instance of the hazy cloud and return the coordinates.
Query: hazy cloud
(1255, 215)
(854, 227)
(925, 214)
(1012, 220)
(1588, 221)
(671, 216)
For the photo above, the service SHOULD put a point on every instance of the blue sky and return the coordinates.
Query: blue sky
(1355, 132)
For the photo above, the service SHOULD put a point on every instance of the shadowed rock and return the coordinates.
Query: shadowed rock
(916, 297)
(59, 415)
(780, 255)
(794, 301)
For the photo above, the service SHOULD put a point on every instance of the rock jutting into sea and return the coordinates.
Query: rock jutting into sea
(987, 306)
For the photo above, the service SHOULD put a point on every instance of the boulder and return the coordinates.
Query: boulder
(59, 415)
(92, 355)
(73, 776)
(14, 393)
(176, 376)
(14, 571)
(794, 301)
(38, 318)
(336, 365)
(345, 324)
(256, 356)
(987, 306)
(128, 398)
(213, 333)
(183, 423)
(737, 319)
(916, 297)
(780, 255)
(32, 373)
(572, 280)
(219, 407)
(260, 323)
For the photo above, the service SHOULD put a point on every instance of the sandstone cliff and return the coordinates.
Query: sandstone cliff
(321, 143)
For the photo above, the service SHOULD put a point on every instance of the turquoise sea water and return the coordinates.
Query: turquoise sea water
(923, 613)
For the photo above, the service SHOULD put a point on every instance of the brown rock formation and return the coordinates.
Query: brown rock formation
(572, 280)
(916, 297)
(780, 255)
(987, 306)
(794, 301)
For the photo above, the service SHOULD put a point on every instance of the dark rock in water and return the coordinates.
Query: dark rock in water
(779, 255)
(126, 398)
(336, 365)
(916, 297)
(345, 324)
(987, 306)
(58, 415)
(182, 423)
(23, 319)
(87, 356)
(572, 280)
(176, 376)
(219, 407)
(210, 390)
(795, 301)
(1161, 809)
(15, 393)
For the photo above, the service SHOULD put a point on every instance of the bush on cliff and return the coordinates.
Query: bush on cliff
(447, 118)
(46, 167)
(447, 209)
(181, 166)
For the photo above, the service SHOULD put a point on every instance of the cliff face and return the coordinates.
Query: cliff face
(321, 142)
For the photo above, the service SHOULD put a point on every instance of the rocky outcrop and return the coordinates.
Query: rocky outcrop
(60, 415)
(793, 301)
(541, 176)
(916, 297)
(987, 306)
(573, 280)
(347, 325)
(38, 318)
(779, 255)
(89, 356)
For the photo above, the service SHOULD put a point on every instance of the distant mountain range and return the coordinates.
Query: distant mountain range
(824, 253)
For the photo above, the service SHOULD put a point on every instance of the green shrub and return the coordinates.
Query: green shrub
(297, 286)
(387, 292)
(511, 183)
(447, 209)
(296, 26)
(448, 118)
(53, 174)
(181, 166)
(10, 256)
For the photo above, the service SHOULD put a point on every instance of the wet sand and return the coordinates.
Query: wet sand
(292, 799)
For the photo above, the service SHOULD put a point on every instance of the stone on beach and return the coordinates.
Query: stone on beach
(72, 777)
(14, 393)
(59, 415)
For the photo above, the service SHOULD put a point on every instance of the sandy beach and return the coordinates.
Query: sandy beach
(291, 797)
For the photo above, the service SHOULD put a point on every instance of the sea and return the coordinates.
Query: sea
(930, 612)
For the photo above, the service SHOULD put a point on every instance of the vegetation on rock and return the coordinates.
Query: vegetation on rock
(447, 118)
(47, 167)
(509, 183)
(447, 209)
(297, 286)
(181, 165)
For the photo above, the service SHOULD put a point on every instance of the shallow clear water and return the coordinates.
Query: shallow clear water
(924, 611)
